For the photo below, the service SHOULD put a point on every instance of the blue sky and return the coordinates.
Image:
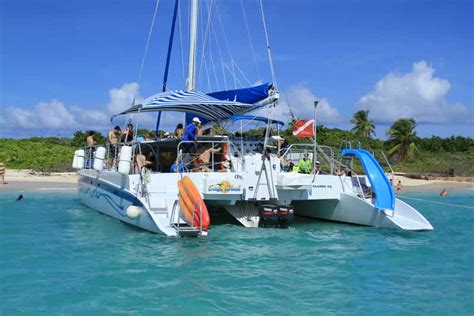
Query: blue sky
(67, 65)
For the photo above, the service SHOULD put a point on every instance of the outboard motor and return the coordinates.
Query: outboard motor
(268, 216)
(286, 216)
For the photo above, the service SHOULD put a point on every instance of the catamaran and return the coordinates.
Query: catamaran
(172, 186)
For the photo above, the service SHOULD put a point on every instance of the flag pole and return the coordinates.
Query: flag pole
(315, 154)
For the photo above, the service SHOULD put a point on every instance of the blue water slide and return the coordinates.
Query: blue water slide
(381, 186)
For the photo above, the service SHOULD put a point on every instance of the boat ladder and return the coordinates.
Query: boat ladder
(185, 230)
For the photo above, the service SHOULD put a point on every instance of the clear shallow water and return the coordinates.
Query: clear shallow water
(59, 257)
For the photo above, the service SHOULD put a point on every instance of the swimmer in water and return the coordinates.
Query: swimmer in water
(20, 197)
(443, 193)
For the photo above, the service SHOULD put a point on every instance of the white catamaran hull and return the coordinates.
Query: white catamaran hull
(355, 210)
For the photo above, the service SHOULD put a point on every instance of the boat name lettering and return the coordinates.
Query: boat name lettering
(323, 186)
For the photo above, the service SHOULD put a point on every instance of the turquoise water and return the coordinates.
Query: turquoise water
(59, 257)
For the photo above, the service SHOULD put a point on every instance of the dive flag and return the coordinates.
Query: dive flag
(303, 128)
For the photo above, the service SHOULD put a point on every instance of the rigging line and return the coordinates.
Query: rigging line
(233, 73)
(206, 69)
(226, 41)
(436, 202)
(203, 54)
(147, 43)
(250, 39)
(219, 50)
(181, 43)
(270, 59)
(241, 72)
(235, 78)
(223, 74)
(199, 71)
(213, 66)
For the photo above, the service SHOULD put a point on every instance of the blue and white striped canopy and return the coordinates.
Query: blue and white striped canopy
(194, 102)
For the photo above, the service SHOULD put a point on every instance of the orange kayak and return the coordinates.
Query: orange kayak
(191, 201)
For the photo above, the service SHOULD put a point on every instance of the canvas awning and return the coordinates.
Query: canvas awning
(194, 102)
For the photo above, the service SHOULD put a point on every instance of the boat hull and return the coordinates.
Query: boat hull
(112, 201)
(354, 210)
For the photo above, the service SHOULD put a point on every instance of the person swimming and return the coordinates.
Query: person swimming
(443, 193)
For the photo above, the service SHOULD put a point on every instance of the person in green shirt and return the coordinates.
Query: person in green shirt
(303, 166)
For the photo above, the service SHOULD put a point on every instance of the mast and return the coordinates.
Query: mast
(193, 21)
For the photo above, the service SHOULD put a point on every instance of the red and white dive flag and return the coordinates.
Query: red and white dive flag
(303, 128)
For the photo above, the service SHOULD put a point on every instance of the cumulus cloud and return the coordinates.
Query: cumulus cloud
(55, 115)
(301, 102)
(122, 98)
(418, 94)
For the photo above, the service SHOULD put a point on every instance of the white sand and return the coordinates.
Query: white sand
(27, 179)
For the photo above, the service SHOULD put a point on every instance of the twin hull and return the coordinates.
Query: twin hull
(327, 197)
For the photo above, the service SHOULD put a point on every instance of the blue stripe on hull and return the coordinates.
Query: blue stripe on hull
(109, 200)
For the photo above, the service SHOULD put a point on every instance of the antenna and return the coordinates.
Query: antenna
(293, 117)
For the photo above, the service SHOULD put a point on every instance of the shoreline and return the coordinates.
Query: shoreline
(29, 180)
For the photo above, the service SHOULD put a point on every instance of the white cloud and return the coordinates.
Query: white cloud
(54, 115)
(122, 98)
(301, 101)
(418, 94)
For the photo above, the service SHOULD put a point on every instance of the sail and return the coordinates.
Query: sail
(250, 95)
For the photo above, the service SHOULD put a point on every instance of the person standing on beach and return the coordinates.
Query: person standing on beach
(2, 172)
(399, 185)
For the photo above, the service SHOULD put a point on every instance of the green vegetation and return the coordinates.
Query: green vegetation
(453, 156)
(40, 154)
(362, 125)
(402, 138)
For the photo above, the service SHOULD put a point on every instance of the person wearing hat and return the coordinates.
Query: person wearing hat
(191, 130)
(189, 136)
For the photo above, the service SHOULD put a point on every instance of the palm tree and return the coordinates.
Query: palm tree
(362, 125)
(402, 137)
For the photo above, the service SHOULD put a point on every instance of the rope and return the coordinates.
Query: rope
(148, 42)
(436, 202)
(250, 39)
(208, 25)
(270, 59)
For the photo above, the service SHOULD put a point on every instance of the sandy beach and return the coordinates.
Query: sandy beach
(29, 180)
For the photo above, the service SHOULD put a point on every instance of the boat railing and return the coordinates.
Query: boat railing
(191, 230)
(386, 162)
(345, 170)
(322, 154)
(205, 155)
(112, 155)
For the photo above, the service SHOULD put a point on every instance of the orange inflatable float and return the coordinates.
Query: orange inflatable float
(191, 201)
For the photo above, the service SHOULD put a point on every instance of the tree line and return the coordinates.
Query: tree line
(451, 156)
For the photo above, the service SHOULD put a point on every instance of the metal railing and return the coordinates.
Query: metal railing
(189, 157)
(175, 220)
(322, 154)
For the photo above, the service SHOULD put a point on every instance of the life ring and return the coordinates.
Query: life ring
(191, 201)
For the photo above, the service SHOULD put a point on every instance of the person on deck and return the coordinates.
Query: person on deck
(191, 131)
(189, 137)
(303, 166)
(127, 135)
(179, 131)
(90, 142)
(114, 135)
